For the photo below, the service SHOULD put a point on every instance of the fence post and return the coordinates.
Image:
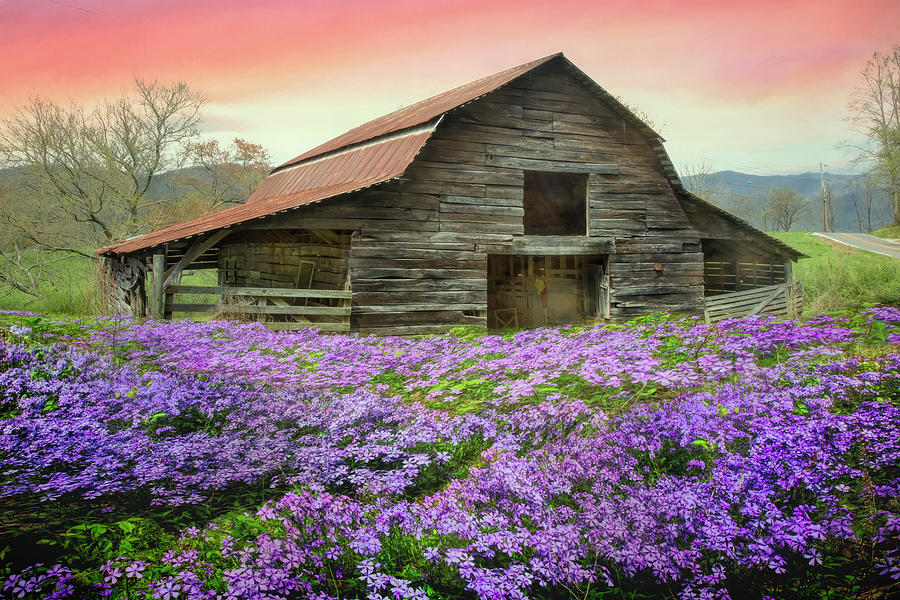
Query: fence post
(157, 297)
(789, 289)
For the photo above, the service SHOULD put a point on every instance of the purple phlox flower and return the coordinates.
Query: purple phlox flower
(432, 554)
(166, 590)
(112, 573)
(134, 570)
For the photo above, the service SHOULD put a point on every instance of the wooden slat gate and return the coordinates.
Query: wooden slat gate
(257, 301)
(782, 300)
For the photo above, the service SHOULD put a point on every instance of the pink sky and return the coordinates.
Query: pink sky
(760, 87)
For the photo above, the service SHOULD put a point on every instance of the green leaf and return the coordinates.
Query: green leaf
(126, 526)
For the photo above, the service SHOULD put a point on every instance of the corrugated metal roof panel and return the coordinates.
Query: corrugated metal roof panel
(316, 180)
(421, 112)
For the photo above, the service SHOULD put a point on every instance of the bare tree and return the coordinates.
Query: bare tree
(784, 207)
(699, 180)
(218, 176)
(861, 191)
(875, 112)
(89, 172)
(22, 268)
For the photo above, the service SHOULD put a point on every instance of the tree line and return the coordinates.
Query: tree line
(858, 202)
(77, 179)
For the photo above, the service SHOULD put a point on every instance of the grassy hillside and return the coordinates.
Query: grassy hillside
(836, 277)
(888, 233)
(69, 287)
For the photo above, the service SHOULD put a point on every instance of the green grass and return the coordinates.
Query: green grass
(836, 277)
(74, 290)
(892, 233)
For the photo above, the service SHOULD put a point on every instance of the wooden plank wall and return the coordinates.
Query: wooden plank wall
(253, 260)
(280, 258)
(407, 276)
(474, 165)
(418, 262)
(413, 283)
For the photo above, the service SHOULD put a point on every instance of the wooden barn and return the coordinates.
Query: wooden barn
(529, 197)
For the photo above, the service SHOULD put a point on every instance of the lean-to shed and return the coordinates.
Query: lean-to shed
(529, 197)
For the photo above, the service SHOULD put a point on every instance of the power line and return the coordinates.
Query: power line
(72, 6)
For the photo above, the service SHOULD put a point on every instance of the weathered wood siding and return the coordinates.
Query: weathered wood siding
(282, 261)
(418, 259)
(474, 164)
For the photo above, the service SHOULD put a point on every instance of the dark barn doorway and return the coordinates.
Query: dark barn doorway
(534, 291)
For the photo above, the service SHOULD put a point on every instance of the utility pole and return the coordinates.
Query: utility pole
(824, 200)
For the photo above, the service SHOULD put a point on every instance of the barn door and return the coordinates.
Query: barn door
(596, 291)
(604, 295)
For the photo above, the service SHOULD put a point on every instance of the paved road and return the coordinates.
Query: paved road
(864, 241)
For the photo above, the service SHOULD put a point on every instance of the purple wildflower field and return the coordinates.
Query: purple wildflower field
(660, 458)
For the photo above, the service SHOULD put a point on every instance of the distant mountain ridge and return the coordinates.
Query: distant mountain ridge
(803, 183)
(744, 195)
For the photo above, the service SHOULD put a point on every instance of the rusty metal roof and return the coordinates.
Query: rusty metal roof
(366, 155)
(339, 173)
(422, 112)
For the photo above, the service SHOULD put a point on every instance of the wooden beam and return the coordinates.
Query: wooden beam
(789, 287)
(192, 253)
(288, 326)
(326, 235)
(158, 297)
(260, 291)
(258, 309)
(556, 166)
(559, 245)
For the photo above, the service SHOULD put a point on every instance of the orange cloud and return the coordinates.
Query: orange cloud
(390, 52)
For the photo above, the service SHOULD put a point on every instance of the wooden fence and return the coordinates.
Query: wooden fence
(736, 276)
(782, 300)
(276, 308)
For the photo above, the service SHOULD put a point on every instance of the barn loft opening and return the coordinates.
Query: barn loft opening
(555, 203)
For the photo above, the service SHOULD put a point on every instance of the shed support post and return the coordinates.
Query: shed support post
(158, 297)
(789, 290)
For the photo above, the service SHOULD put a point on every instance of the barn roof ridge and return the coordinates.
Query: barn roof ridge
(422, 111)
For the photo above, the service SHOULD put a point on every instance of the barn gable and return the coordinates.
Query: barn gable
(526, 198)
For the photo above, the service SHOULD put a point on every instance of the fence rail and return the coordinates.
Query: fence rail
(281, 303)
(782, 300)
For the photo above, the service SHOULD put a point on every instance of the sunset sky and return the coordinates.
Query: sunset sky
(759, 87)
